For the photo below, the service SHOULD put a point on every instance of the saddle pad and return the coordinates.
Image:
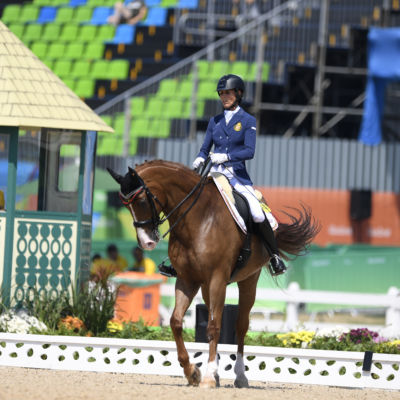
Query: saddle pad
(224, 187)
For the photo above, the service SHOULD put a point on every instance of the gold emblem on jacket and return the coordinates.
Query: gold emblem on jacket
(238, 127)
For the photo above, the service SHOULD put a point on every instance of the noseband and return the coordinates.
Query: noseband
(129, 199)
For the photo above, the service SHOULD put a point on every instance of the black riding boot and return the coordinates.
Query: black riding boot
(277, 266)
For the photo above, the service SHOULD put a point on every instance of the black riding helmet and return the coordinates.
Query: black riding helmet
(234, 82)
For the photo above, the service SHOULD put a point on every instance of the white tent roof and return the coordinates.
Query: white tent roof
(31, 95)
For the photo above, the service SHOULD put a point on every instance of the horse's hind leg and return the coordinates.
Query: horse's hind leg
(184, 293)
(247, 296)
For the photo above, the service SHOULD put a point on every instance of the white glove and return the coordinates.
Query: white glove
(197, 162)
(219, 158)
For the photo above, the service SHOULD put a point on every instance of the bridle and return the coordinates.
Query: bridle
(155, 221)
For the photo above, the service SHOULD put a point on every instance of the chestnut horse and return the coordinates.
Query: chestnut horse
(204, 245)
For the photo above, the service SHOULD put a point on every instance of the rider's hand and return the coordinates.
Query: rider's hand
(197, 162)
(219, 158)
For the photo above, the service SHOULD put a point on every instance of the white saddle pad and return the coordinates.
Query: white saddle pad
(224, 187)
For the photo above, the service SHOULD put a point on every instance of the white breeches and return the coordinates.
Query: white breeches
(246, 190)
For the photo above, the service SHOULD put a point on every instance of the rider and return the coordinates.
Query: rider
(233, 133)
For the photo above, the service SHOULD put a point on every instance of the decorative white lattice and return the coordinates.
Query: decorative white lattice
(155, 357)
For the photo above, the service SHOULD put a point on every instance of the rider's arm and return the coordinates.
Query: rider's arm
(208, 141)
(246, 152)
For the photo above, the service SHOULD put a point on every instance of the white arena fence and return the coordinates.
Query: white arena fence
(293, 296)
(267, 364)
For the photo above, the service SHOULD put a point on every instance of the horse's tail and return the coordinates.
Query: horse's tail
(294, 237)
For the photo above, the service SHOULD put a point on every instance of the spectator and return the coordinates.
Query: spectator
(142, 264)
(117, 262)
(129, 12)
(100, 269)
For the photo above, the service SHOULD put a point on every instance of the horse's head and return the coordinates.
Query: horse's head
(141, 203)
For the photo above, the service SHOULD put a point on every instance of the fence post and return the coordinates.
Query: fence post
(292, 307)
(393, 311)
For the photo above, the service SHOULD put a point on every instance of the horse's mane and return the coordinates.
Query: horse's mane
(167, 164)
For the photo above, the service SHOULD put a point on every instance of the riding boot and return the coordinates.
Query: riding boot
(266, 234)
(167, 270)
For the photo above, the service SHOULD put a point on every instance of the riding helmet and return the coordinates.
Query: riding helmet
(230, 81)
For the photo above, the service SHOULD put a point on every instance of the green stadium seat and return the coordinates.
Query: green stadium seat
(51, 32)
(70, 82)
(85, 88)
(81, 69)
(173, 109)
(96, 3)
(69, 33)
(105, 33)
(203, 67)
(252, 75)
(17, 30)
(118, 69)
(56, 50)
(139, 128)
(206, 90)
(11, 13)
(218, 69)
(82, 14)
(154, 107)
(137, 106)
(87, 33)
(62, 68)
(64, 15)
(28, 13)
(74, 51)
(119, 124)
(240, 68)
(187, 109)
(185, 89)
(167, 88)
(160, 128)
(111, 145)
(40, 3)
(48, 63)
(94, 51)
(39, 49)
(133, 145)
(107, 119)
(32, 32)
(168, 3)
(100, 69)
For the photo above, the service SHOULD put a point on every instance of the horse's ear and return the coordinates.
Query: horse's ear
(116, 176)
(132, 171)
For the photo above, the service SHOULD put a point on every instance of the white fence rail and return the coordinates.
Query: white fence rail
(293, 296)
(271, 364)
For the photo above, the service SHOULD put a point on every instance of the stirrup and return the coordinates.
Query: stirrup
(276, 265)
(167, 270)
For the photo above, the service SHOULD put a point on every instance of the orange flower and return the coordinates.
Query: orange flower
(72, 323)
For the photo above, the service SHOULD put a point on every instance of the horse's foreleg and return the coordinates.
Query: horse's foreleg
(184, 293)
(216, 300)
(247, 295)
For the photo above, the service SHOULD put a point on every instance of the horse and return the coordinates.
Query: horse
(204, 245)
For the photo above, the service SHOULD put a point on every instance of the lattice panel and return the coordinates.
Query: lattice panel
(154, 357)
(2, 247)
(44, 255)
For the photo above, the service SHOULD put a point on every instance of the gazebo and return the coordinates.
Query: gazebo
(47, 153)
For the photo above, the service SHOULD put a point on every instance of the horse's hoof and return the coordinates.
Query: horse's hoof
(210, 383)
(241, 382)
(195, 377)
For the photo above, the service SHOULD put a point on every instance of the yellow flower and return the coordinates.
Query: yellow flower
(114, 326)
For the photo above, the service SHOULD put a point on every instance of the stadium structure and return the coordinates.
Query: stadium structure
(324, 139)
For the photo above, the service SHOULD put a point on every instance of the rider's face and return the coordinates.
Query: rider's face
(228, 98)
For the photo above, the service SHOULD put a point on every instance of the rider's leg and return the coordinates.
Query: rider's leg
(263, 227)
